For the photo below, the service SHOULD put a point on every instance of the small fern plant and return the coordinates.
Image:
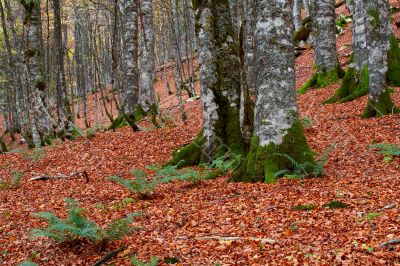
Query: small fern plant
(154, 261)
(142, 185)
(388, 150)
(78, 227)
(306, 169)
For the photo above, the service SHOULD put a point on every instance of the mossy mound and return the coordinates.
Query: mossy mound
(383, 106)
(322, 79)
(335, 204)
(261, 165)
(128, 119)
(307, 207)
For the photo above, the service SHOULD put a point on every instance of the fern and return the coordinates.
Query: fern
(154, 261)
(227, 163)
(16, 177)
(306, 169)
(27, 263)
(77, 226)
(388, 150)
(142, 185)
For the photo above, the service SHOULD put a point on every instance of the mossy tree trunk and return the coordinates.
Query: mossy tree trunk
(277, 129)
(328, 69)
(130, 63)
(356, 81)
(378, 34)
(220, 85)
(40, 128)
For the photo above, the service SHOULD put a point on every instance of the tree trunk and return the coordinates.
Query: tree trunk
(63, 106)
(277, 129)
(378, 33)
(41, 129)
(298, 23)
(220, 85)
(356, 81)
(147, 63)
(324, 32)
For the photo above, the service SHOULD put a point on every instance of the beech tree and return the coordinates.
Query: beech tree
(378, 34)
(147, 59)
(375, 60)
(327, 66)
(220, 85)
(40, 119)
(277, 129)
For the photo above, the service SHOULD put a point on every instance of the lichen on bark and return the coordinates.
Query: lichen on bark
(219, 83)
(276, 126)
(328, 69)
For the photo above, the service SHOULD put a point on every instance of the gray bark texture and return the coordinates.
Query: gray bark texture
(40, 119)
(323, 18)
(130, 55)
(147, 57)
(298, 23)
(276, 97)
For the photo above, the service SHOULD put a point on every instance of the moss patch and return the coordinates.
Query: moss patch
(307, 207)
(383, 106)
(393, 74)
(188, 155)
(322, 79)
(261, 164)
(335, 204)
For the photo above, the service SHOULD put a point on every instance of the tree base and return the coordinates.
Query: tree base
(262, 164)
(189, 155)
(322, 79)
(383, 106)
(352, 87)
(128, 119)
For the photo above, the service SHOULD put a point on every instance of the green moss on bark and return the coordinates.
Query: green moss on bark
(188, 155)
(383, 106)
(322, 79)
(393, 74)
(261, 163)
(302, 34)
(353, 86)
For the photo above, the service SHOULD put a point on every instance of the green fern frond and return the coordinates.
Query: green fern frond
(154, 261)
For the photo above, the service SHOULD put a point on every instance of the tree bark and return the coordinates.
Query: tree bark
(276, 126)
(377, 22)
(220, 85)
(324, 32)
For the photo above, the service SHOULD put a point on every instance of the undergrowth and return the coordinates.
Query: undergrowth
(142, 184)
(154, 261)
(306, 169)
(77, 227)
(388, 150)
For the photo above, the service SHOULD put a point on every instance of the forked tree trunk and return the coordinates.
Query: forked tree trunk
(277, 129)
(220, 85)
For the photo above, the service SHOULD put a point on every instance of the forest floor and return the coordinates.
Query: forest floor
(180, 220)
